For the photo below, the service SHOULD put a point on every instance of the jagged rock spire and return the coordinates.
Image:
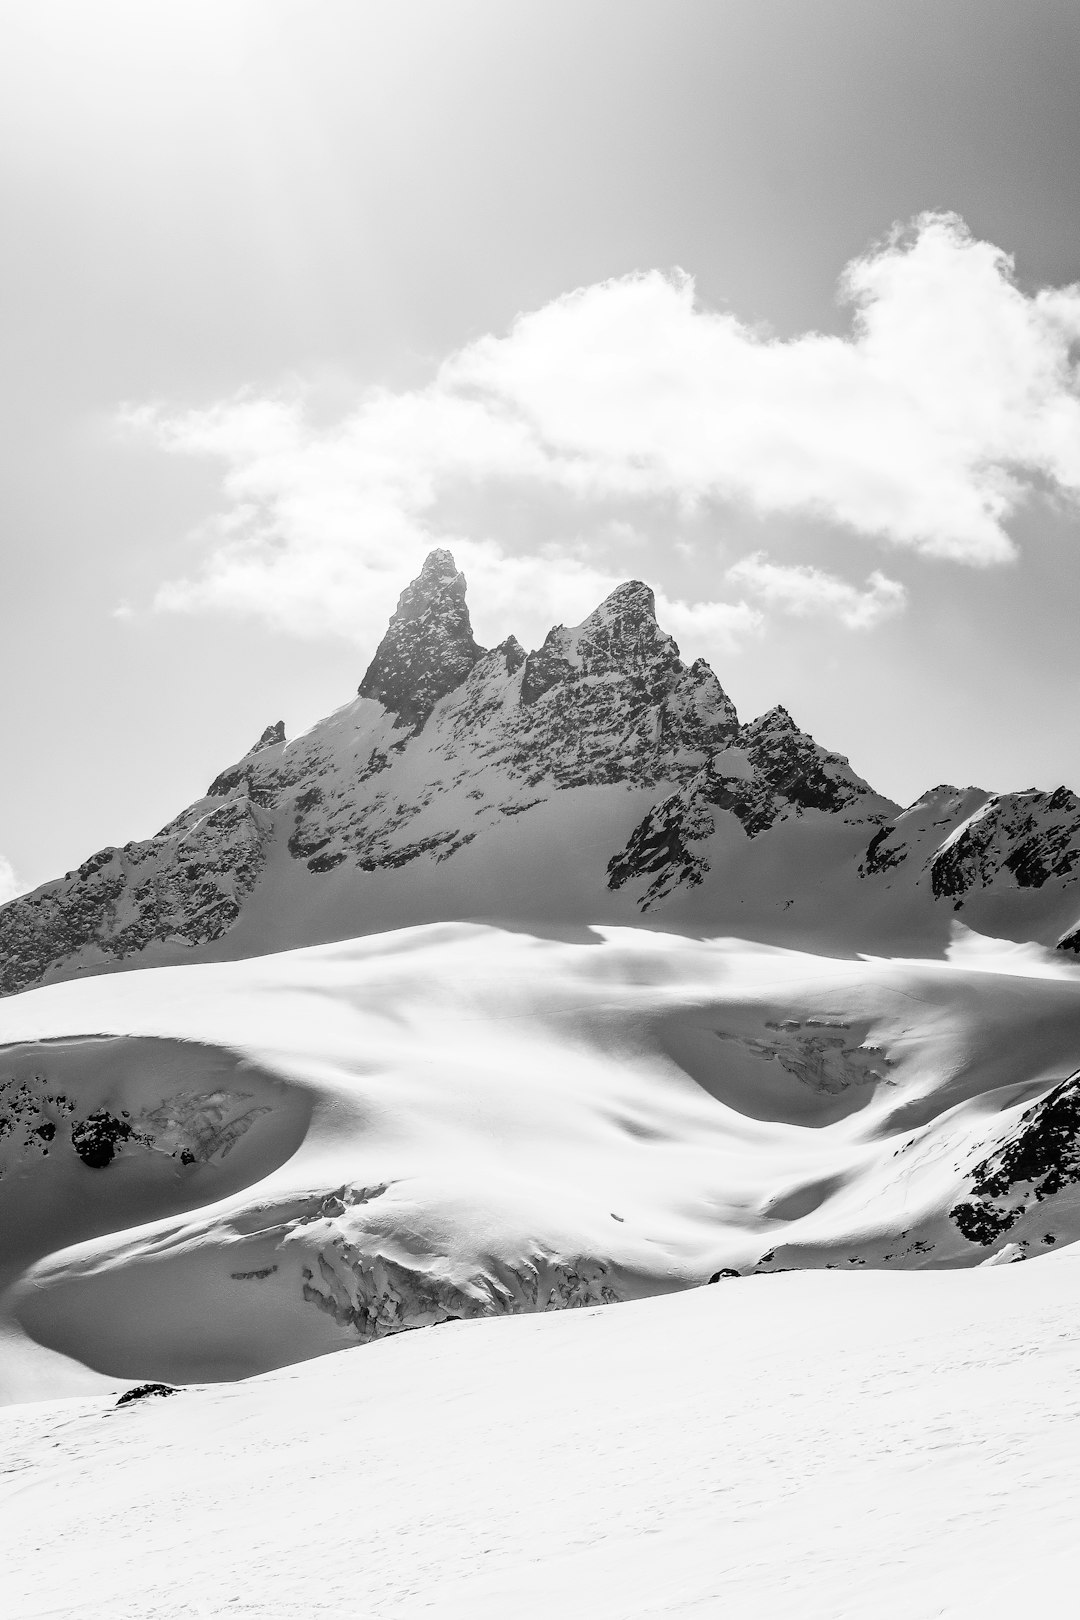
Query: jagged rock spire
(428, 648)
(621, 634)
(273, 734)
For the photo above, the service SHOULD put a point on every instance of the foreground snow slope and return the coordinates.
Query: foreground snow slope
(901, 1446)
(208, 1172)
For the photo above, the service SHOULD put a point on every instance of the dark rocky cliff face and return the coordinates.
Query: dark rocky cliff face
(428, 648)
(186, 887)
(449, 743)
(612, 701)
(770, 770)
(963, 841)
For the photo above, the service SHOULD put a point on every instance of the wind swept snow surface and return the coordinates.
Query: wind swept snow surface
(815, 1445)
(209, 1172)
(213, 1176)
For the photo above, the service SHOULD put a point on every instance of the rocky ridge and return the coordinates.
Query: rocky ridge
(448, 742)
(770, 770)
(961, 840)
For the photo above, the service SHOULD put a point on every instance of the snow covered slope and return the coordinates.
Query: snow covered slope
(595, 779)
(832, 1447)
(210, 1171)
(213, 1176)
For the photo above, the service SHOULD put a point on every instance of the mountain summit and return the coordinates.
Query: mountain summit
(428, 648)
(593, 779)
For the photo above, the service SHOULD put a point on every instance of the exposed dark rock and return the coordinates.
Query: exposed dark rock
(185, 884)
(428, 648)
(963, 840)
(982, 1221)
(142, 1392)
(770, 770)
(545, 667)
(241, 775)
(512, 653)
(795, 769)
(273, 734)
(1034, 836)
(95, 1138)
(877, 858)
(611, 701)
(1037, 1159)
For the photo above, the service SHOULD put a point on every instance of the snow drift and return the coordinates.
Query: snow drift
(247, 1164)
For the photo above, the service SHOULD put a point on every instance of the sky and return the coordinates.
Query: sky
(771, 303)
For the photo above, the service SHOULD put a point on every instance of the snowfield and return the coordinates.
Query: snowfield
(208, 1172)
(816, 1445)
(217, 1176)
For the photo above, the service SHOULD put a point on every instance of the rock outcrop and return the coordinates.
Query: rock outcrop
(771, 770)
(1026, 1171)
(964, 840)
(428, 648)
(449, 743)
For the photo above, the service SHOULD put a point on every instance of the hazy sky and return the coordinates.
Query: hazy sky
(772, 303)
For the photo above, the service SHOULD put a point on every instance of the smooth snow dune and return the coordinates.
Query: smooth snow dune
(895, 1446)
(264, 1161)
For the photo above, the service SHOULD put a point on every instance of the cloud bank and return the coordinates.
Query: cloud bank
(803, 591)
(954, 395)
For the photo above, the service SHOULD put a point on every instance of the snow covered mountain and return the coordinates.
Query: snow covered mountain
(596, 778)
(591, 1006)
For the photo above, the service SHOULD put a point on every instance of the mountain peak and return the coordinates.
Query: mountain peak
(607, 706)
(273, 734)
(774, 720)
(428, 648)
(438, 565)
(633, 598)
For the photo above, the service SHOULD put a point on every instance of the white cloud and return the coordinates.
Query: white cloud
(920, 428)
(803, 591)
(321, 531)
(10, 885)
(954, 394)
(707, 627)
